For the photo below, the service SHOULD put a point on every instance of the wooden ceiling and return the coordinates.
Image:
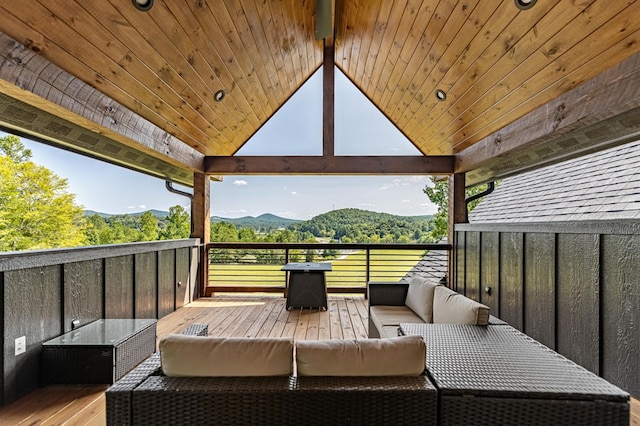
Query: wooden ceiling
(161, 68)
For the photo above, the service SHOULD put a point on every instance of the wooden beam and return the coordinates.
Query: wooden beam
(457, 213)
(331, 165)
(560, 129)
(201, 220)
(328, 102)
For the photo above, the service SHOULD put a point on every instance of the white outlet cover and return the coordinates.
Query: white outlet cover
(21, 345)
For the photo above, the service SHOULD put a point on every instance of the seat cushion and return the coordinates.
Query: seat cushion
(384, 316)
(450, 307)
(398, 356)
(198, 356)
(420, 297)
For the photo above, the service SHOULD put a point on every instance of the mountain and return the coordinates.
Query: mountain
(264, 222)
(364, 226)
(157, 213)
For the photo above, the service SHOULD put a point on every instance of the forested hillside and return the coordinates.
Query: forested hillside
(362, 226)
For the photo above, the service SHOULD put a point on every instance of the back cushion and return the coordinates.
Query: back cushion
(197, 356)
(420, 297)
(396, 356)
(450, 307)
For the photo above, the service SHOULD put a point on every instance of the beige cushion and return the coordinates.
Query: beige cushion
(389, 331)
(450, 307)
(398, 356)
(385, 316)
(197, 356)
(420, 297)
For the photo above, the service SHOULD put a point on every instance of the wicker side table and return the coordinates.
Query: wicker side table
(100, 352)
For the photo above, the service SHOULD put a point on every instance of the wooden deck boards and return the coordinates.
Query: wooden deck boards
(227, 316)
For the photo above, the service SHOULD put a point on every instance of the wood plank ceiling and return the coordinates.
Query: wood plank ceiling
(494, 62)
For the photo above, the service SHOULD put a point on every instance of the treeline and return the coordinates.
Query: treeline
(228, 232)
(362, 226)
(126, 228)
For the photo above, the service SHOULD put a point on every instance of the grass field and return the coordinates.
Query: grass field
(349, 270)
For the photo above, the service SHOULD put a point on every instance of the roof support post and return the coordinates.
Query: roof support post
(328, 101)
(457, 213)
(201, 225)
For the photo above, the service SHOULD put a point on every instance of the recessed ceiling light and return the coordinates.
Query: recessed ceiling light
(219, 95)
(441, 95)
(143, 5)
(525, 4)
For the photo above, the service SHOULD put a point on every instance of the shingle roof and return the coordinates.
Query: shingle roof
(600, 186)
(432, 266)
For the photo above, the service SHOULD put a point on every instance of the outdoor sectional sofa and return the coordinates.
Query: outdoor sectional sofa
(195, 380)
(420, 300)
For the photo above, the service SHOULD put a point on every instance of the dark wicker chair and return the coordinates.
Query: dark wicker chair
(146, 396)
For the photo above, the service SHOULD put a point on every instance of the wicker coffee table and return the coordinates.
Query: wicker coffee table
(498, 375)
(100, 352)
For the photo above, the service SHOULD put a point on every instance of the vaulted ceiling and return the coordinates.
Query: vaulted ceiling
(517, 88)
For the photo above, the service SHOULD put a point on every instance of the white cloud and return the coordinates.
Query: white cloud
(294, 193)
(240, 182)
(405, 201)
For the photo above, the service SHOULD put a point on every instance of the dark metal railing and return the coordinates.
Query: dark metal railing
(256, 267)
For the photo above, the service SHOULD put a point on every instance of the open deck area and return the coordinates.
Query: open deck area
(227, 316)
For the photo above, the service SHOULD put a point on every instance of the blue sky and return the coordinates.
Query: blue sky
(296, 129)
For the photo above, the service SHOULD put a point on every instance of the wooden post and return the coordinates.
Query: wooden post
(457, 210)
(328, 101)
(201, 221)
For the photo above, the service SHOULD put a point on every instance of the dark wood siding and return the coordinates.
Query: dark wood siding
(512, 278)
(472, 269)
(578, 320)
(83, 296)
(575, 287)
(146, 276)
(32, 305)
(182, 277)
(621, 311)
(166, 282)
(119, 287)
(490, 271)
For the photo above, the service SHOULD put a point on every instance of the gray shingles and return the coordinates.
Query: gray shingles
(600, 186)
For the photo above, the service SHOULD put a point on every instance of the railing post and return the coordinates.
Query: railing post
(368, 270)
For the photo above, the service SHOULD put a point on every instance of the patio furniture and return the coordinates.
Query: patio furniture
(419, 300)
(498, 375)
(306, 285)
(100, 352)
(147, 396)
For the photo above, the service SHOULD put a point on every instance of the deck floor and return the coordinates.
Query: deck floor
(227, 316)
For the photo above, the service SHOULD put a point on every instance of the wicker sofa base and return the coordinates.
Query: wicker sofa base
(146, 396)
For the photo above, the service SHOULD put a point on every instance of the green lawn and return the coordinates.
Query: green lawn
(347, 271)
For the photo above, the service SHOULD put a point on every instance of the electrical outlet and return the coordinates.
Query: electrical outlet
(21, 345)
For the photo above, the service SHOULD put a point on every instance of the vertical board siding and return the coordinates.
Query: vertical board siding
(166, 282)
(83, 296)
(460, 257)
(578, 285)
(32, 308)
(118, 283)
(146, 278)
(490, 273)
(182, 277)
(512, 278)
(472, 262)
(621, 311)
(539, 287)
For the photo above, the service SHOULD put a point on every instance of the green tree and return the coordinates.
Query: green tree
(149, 230)
(36, 211)
(178, 224)
(98, 231)
(439, 195)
